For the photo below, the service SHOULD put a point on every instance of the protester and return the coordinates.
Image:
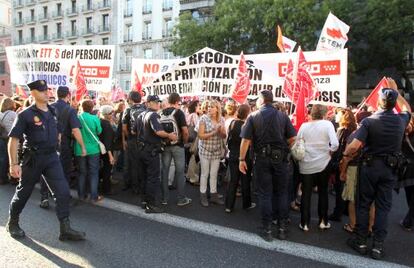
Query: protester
(7, 117)
(211, 133)
(193, 171)
(233, 142)
(89, 164)
(107, 138)
(320, 143)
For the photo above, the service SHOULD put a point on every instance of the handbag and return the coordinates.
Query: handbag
(101, 145)
(298, 149)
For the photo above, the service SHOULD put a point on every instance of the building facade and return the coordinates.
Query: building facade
(145, 31)
(5, 40)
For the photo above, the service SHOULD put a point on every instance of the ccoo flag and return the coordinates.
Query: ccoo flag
(137, 84)
(334, 34)
(283, 43)
(80, 83)
(241, 88)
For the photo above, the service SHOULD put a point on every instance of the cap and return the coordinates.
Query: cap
(388, 94)
(267, 95)
(39, 85)
(154, 98)
(64, 90)
(106, 109)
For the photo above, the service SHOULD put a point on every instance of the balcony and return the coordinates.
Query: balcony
(44, 18)
(167, 5)
(104, 29)
(146, 36)
(41, 1)
(128, 38)
(31, 40)
(30, 20)
(104, 5)
(72, 34)
(127, 13)
(57, 14)
(88, 31)
(146, 10)
(57, 36)
(88, 8)
(18, 42)
(70, 12)
(18, 4)
(30, 2)
(167, 33)
(18, 22)
(44, 39)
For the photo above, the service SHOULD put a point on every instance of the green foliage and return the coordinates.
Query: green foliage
(381, 31)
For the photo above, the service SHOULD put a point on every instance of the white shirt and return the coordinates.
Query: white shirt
(320, 139)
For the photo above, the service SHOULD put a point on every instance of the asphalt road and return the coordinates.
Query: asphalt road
(123, 236)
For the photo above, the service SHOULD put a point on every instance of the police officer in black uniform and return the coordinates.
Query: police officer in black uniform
(150, 134)
(38, 126)
(380, 137)
(129, 139)
(271, 133)
(69, 122)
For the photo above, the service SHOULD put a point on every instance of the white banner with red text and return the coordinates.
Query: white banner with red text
(212, 73)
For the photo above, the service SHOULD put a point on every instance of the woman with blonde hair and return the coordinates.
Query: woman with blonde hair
(211, 133)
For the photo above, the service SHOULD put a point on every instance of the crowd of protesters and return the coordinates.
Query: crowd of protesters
(206, 155)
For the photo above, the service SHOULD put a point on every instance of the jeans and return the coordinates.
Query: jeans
(4, 160)
(209, 167)
(88, 168)
(375, 184)
(178, 154)
(320, 180)
(273, 186)
(235, 177)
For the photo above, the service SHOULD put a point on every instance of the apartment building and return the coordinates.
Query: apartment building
(5, 40)
(146, 31)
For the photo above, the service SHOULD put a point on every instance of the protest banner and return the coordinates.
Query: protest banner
(212, 73)
(57, 64)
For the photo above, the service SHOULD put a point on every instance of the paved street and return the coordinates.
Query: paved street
(121, 235)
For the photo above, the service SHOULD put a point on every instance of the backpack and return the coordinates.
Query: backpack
(169, 123)
(133, 115)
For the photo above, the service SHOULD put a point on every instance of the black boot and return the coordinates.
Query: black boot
(44, 203)
(13, 228)
(282, 229)
(377, 251)
(67, 233)
(358, 244)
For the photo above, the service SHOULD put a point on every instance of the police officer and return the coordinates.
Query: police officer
(150, 134)
(38, 126)
(381, 136)
(270, 132)
(70, 126)
(129, 140)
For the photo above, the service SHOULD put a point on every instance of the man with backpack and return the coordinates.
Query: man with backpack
(173, 121)
(129, 141)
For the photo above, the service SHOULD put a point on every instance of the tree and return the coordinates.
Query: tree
(380, 35)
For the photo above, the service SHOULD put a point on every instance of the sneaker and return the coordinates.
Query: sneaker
(153, 209)
(266, 235)
(184, 201)
(377, 251)
(324, 226)
(44, 204)
(358, 245)
(252, 206)
(164, 203)
(227, 210)
(304, 228)
(143, 205)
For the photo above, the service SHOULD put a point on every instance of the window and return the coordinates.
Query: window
(3, 83)
(128, 60)
(88, 42)
(59, 9)
(167, 53)
(167, 4)
(127, 85)
(148, 53)
(73, 43)
(89, 4)
(105, 22)
(147, 31)
(19, 18)
(2, 67)
(129, 33)
(45, 12)
(73, 6)
(32, 34)
(20, 35)
(32, 15)
(147, 8)
(168, 28)
(59, 30)
(105, 41)
(73, 26)
(45, 32)
(89, 24)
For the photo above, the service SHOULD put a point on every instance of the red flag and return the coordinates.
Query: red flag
(300, 87)
(80, 83)
(21, 92)
(137, 84)
(372, 99)
(241, 88)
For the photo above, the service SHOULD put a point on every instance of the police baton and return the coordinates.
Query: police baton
(50, 189)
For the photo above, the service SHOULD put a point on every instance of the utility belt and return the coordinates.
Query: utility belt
(276, 155)
(395, 161)
(151, 148)
(39, 151)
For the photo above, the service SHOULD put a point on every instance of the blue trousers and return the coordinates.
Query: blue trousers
(50, 167)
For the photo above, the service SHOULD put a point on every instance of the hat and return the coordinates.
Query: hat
(267, 95)
(106, 109)
(63, 90)
(388, 94)
(39, 85)
(154, 98)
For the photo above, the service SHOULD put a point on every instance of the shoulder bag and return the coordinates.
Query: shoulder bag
(101, 145)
